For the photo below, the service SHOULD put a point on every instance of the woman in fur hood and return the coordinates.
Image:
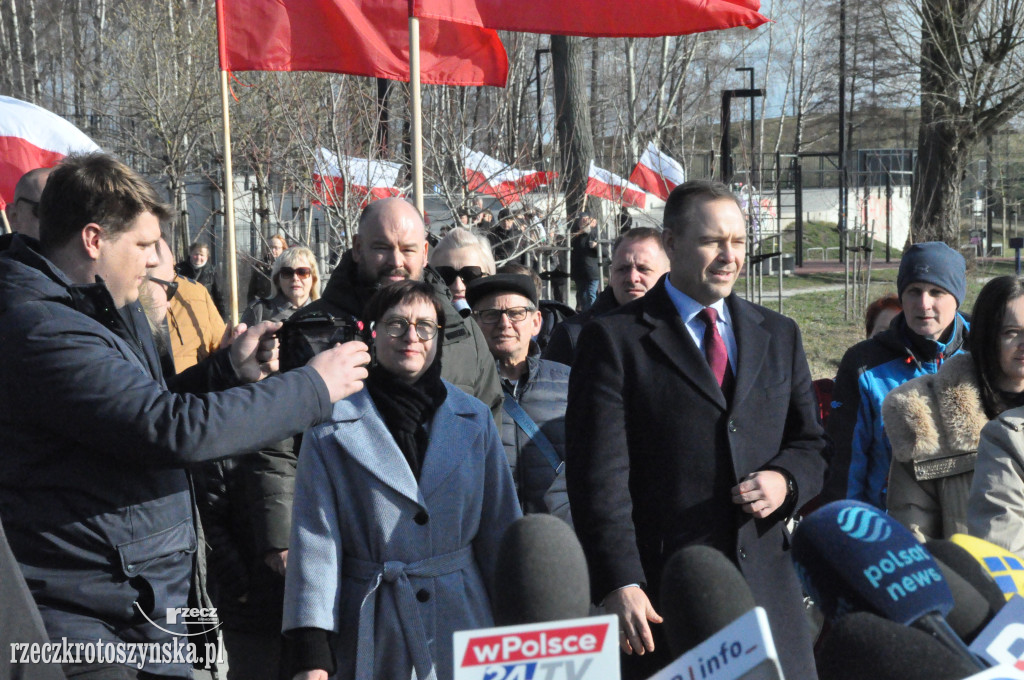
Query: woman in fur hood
(934, 422)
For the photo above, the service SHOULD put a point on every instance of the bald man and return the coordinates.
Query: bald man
(391, 245)
(23, 211)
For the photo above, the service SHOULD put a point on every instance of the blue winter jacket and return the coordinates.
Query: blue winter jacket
(859, 468)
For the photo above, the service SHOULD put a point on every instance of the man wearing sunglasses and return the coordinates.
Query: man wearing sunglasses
(391, 245)
(23, 211)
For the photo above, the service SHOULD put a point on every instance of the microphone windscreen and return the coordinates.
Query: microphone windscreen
(540, 573)
(1003, 566)
(962, 562)
(702, 592)
(863, 646)
(970, 612)
(851, 557)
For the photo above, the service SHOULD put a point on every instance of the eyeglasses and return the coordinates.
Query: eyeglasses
(34, 204)
(300, 272)
(467, 274)
(493, 316)
(397, 327)
(170, 286)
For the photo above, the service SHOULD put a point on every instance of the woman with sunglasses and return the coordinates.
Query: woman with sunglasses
(460, 257)
(294, 282)
(400, 505)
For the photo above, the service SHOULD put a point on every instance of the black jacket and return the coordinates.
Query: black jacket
(543, 396)
(93, 494)
(643, 399)
(561, 345)
(465, 360)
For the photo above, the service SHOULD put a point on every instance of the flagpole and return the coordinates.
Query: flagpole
(415, 110)
(229, 200)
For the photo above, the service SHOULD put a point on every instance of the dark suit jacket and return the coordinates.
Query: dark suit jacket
(654, 448)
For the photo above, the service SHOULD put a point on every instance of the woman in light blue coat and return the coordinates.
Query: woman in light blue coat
(400, 505)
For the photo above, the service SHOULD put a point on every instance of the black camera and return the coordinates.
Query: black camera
(302, 339)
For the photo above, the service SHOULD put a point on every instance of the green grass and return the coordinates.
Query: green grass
(827, 333)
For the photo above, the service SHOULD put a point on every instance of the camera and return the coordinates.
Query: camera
(304, 338)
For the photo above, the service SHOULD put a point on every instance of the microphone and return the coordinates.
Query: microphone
(970, 569)
(540, 573)
(1003, 566)
(702, 592)
(863, 646)
(852, 557)
(971, 611)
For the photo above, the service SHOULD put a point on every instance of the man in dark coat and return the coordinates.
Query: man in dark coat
(198, 268)
(584, 260)
(94, 496)
(391, 245)
(638, 261)
(666, 451)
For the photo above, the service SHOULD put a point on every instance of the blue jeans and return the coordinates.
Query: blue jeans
(586, 293)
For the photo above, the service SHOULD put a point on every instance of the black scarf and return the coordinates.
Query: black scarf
(406, 409)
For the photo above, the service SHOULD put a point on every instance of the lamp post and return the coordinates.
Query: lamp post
(753, 149)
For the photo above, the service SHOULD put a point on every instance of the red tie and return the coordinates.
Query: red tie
(714, 345)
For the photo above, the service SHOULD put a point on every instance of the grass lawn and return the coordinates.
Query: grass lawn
(827, 334)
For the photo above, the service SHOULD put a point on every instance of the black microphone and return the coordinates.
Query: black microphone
(971, 611)
(863, 646)
(970, 569)
(540, 573)
(853, 557)
(702, 592)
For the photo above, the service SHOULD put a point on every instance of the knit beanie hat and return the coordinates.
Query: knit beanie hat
(936, 263)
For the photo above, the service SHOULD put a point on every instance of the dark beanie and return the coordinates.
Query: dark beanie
(936, 263)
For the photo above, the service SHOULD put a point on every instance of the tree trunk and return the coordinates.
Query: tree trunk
(18, 62)
(33, 53)
(572, 118)
(944, 152)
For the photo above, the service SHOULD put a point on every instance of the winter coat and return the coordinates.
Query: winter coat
(934, 423)
(194, 325)
(543, 396)
(995, 511)
(562, 344)
(360, 513)
(465, 359)
(206, 276)
(246, 506)
(583, 256)
(93, 495)
(859, 468)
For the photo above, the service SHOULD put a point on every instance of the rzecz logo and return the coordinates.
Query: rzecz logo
(203, 618)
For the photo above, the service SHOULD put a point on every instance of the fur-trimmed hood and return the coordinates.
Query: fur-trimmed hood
(936, 416)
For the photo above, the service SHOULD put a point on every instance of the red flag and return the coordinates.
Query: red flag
(607, 185)
(358, 37)
(366, 178)
(657, 172)
(30, 138)
(599, 18)
(490, 176)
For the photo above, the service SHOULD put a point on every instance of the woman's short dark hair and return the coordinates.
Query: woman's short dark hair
(986, 326)
(399, 292)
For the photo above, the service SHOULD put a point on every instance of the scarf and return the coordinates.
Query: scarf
(406, 409)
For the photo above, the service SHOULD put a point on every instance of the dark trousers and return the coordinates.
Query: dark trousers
(255, 656)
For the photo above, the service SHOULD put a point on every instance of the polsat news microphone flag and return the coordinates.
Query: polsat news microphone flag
(596, 18)
(32, 137)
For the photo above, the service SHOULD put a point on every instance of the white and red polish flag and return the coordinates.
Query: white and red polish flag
(605, 184)
(657, 172)
(32, 137)
(368, 179)
(490, 176)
